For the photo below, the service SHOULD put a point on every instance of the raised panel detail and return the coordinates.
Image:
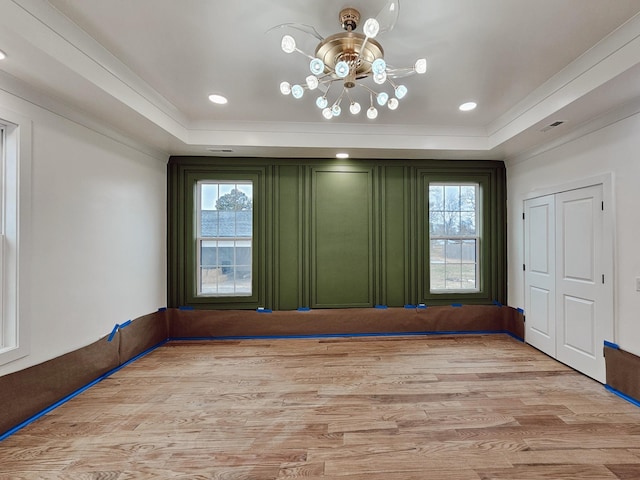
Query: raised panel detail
(539, 316)
(539, 256)
(579, 325)
(578, 246)
(342, 239)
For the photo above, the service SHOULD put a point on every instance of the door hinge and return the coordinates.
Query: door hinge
(603, 278)
(602, 206)
(524, 267)
(523, 215)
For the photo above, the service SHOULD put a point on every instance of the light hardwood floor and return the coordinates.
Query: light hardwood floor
(463, 407)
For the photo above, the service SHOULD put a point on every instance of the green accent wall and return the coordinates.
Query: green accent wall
(336, 233)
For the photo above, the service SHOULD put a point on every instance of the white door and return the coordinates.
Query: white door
(583, 310)
(568, 300)
(540, 263)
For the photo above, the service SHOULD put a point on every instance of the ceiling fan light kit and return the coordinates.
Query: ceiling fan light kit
(355, 61)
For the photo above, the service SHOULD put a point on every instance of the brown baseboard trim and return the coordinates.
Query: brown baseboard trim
(622, 372)
(28, 394)
(444, 319)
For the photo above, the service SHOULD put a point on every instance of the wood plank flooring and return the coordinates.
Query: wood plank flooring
(470, 407)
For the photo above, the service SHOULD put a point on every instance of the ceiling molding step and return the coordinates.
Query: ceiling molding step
(333, 128)
(610, 57)
(605, 120)
(21, 92)
(351, 140)
(41, 25)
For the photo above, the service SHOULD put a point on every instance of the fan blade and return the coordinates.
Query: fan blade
(299, 26)
(400, 73)
(388, 16)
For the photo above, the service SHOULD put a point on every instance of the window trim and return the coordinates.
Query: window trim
(16, 210)
(490, 245)
(182, 251)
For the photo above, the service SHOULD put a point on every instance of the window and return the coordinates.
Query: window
(454, 237)
(15, 174)
(224, 238)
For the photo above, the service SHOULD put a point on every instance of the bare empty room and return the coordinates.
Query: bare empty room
(280, 239)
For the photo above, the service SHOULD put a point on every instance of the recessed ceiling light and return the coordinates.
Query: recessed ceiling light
(467, 107)
(218, 99)
(342, 155)
(2, 55)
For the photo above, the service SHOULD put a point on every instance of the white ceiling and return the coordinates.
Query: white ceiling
(146, 67)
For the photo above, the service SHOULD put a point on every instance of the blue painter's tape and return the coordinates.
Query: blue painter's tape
(520, 310)
(185, 307)
(303, 309)
(497, 303)
(113, 332)
(125, 324)
(408, 305)
(381, 307)
(457, 305)
(263, 310)
(162, 309)
(76, 393)
(623, 396)
(421, 306)
(615, 346)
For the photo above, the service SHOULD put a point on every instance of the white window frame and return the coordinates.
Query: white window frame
(200, 239)
(15, 208)
(476, 237)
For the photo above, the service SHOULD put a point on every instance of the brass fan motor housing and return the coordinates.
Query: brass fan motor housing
(348, 46)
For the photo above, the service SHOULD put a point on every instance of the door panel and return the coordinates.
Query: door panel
(581, 296)
(540, 274)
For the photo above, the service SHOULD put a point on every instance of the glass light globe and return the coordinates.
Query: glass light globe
(371, 28)
(312, 82)
(378, 65)
(322, 102)
(382, 98)
(326, 113)
(401, 91)
(393, 103)
(421, 65)
(354, 108)
(297, 91)
(285, 88)
(342, 69)
(288, 44)
(336, 110)
(316, 66)
(372, 113)
(380, 78)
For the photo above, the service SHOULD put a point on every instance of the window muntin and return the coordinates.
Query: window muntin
(224, 238)
(454, 237)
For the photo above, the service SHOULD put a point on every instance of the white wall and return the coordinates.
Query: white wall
(98, 229)
(612, 149)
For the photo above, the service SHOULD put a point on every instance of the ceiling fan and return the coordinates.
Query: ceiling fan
(351, 60)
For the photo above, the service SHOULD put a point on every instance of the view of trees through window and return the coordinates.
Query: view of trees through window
(225, 223)
(453, 237)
